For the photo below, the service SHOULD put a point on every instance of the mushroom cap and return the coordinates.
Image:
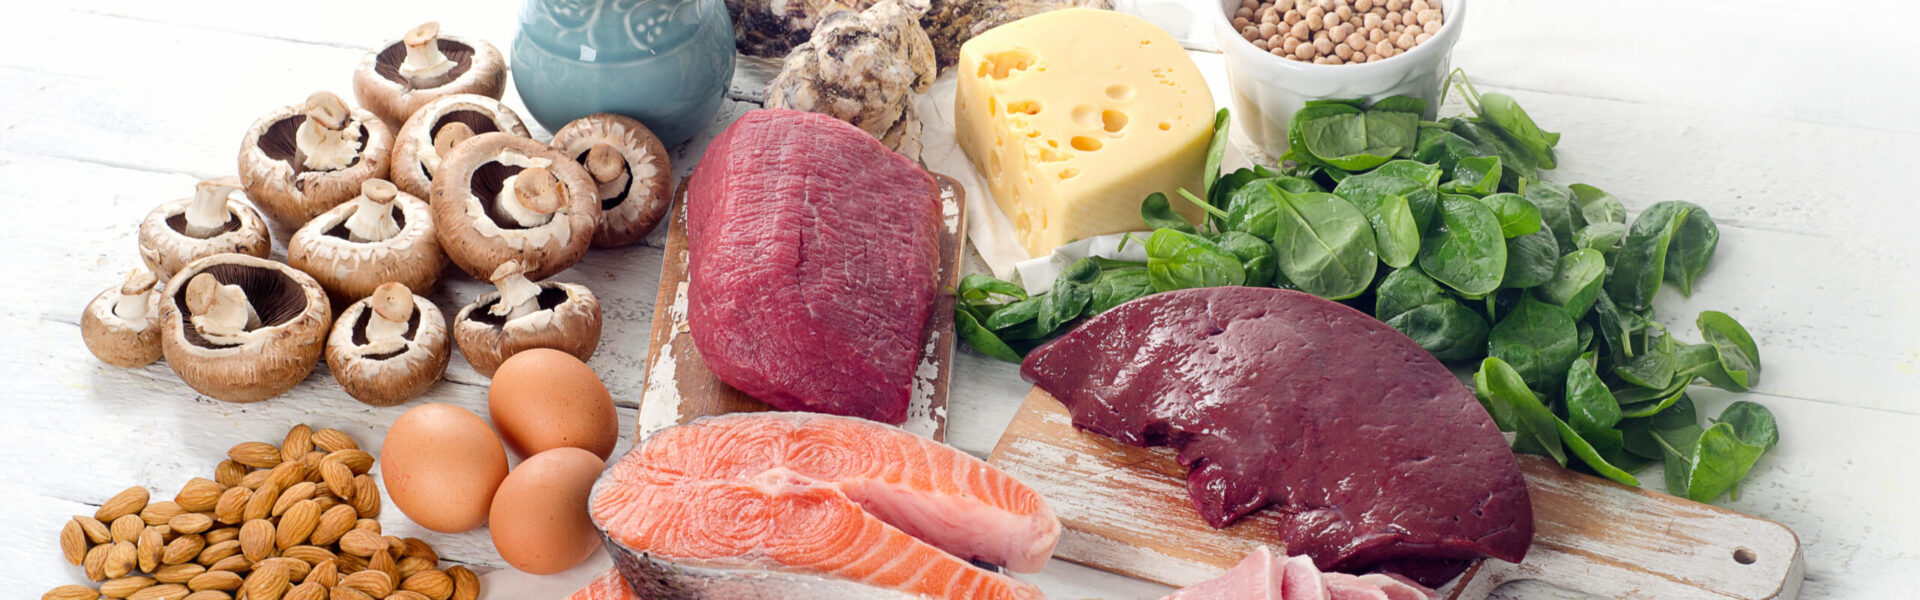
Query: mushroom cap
(351, 270)
(648, 196)
(572, 327)
(166, 249)
(117, 341)
(387, 380)
(479, 69)
(294, 316)
(464, 189)
(414, 145)
(291, 194)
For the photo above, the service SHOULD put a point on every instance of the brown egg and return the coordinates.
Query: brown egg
(543, 399)
(539, 519)
(441, 465)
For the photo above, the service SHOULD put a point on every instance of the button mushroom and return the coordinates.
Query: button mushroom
(209, 223)
(399, 77)
(388, 348)
(242, 329)
(630, 170)
(119, 325)
(382, 235)
(500, 197)
(432, 132)
(523, 314)
(301, 160)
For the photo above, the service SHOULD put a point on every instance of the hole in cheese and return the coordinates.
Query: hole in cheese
(1052, 155)
(1084, 143)
(1001, 65)
(1053, 143)
(1025, 107)
(1165, 126)
(1069, 173)
(1086, 115)
(1112, 120)
(1120, 91)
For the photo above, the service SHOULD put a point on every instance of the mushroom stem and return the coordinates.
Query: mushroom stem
(425, 66)
(609, 170)
(220, 311)
(324, 142)
(530, 197)
(135, 297)
(207, 214)
(519, 296)
(392, 307)
(450, 135)
(372, 219)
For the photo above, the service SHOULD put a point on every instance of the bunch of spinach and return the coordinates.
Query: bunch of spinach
(1445, 230)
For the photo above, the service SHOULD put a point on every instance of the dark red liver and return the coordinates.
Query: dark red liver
(1372, 451)
(812, 253)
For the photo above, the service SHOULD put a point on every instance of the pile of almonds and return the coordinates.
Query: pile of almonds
(288, 522)
(1337, 32)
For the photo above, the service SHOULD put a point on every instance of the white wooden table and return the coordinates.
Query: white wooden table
(1792, 123)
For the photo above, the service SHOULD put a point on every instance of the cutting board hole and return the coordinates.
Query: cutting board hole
(1745, 556)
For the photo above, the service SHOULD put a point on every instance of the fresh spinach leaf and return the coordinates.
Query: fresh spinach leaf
(1158, 212)
(977, 288)
(1590, 455)
(1405, 104)
(1367, 190)
(1409, 301)
(1555, 203)
(1398, 131)
(1642, 263)
(1538, 340)
(1515, 408)
(1604, 237)
(1428, 176)
(1397, 234)
(1728, 449)
(1653, 368)
(1576, 283)
(1475, 176)
(1179, 260)
(1739, 357)
(1691, 249)
(1641, 434)
(1257, 257)
(1591, 409)
(1015, 313)
(1326, 248)
(1597, 206)
(1517, 167)
(1216, 149)
(1517, 216)
(1505, 113)
(1465, 250)
(1442, 148)
(1532, 260)
(1069, 296)
(1116, 287)
(981, 338)
(1344, 137)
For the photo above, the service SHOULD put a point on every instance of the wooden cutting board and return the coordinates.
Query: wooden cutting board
(1126, 510)
(680, 388)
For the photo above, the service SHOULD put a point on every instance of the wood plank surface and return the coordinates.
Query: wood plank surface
(1126, 510)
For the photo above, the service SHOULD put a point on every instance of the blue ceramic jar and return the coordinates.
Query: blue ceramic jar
(665, 62)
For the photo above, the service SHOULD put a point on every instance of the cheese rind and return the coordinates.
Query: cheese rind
(1075, 116)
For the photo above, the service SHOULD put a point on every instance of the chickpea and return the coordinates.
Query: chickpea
(1357, 42)
(1394, 6)
(1323, 5)
(1240, 24)
(1344, 13)
(1384, 48)
(1290, 44)
(1393, 19)
(1418, 5)
(1261, 43)
(1330, 20)
(1339, 33)
(1303, 51)
(1376, 35)
(1404, 42)
(1316, 18)
(1422, 38)
(1270, 18)
(1362, 5)
(1283, 5)
(1335, 60)
(1432, 27)
(1343, 51)
(1371, 21)
(1322, 46)
(1243, 14)
(1292, 18)
(1300, 31)
(1268, 30)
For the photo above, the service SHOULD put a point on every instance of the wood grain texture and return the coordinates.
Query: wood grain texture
(1126, 510)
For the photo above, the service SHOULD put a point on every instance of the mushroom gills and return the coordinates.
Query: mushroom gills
(381, 339)
(452, 128)
(271, 297)
(220, 311)
(610, 173)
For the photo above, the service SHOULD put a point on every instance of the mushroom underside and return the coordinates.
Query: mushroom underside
(278, 143)
(178, 223)
(387, 64)
(486, 183)
(360, 334)
(551, 296)
(475, 120)
(276, 297)
(339, 230)
(607, 204)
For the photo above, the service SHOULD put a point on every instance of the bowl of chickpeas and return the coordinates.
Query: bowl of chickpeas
(1281, 54)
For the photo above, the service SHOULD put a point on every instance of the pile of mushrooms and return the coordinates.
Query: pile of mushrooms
(499, 197)
(632, 177)
(118, 325)
(242, 329)
(395, 79)
(209, 223)
(432, 132)
(383, 235)
(301, 160)
(522, 315)
(388, 348)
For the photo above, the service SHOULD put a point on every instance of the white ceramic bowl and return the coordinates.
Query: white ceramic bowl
(1268, 89)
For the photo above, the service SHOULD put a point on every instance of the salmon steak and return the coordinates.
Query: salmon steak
(800, 506)
(1261, 577)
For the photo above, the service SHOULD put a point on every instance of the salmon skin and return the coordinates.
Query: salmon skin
(799, 506)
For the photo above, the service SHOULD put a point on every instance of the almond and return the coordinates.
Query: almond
(349, 564)
(417, 547)
(95, 563)
(267, 582)
(182, 549)
(222, 534)
(125, 586)
(260, 506)
(432, 583)
(127, 502)
(306, 591)
(287, 474)
(299, 491)
(225, 581)
(333, 440)
(165, 591)
(367, 525)
(339, 478)
(217, 552)
(192, 522)
(148, 549)
(253, 478)
(178, 573)
(326, 572)
(312, 555)
(237, 563)
(383, 561)
(298, 523)
(406, 595)
(326, 501)
(199, 495)
(208, 595)
(232, 505)
(97, 532)
(158, 513)
(71, 592)
(296, 569)
(347, 593)
(127, 528)
(362, 543)
(259, 455)
(366, 497)
(358, 460)
(256, 539)
(375, 583)
(122, 557)
(299, 441)
(407, 566)
(466, 585)
(73, 542)
(228, 473)
(312, 461)
(335, 522)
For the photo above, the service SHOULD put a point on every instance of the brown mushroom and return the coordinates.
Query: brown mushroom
(242, 329)
(119, 325)
(432, 132)
(209, 223)
(522, 315)
(631, 173)
(383, 235)
(302, 160)
(389, 347)
(395, 79)
(500, 197)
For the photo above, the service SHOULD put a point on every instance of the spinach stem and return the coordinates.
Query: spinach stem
(1203, 204)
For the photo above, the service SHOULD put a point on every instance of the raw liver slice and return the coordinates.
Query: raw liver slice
(1371, 450)
(812, 254)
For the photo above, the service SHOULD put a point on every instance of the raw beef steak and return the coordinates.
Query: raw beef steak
(812, 259)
